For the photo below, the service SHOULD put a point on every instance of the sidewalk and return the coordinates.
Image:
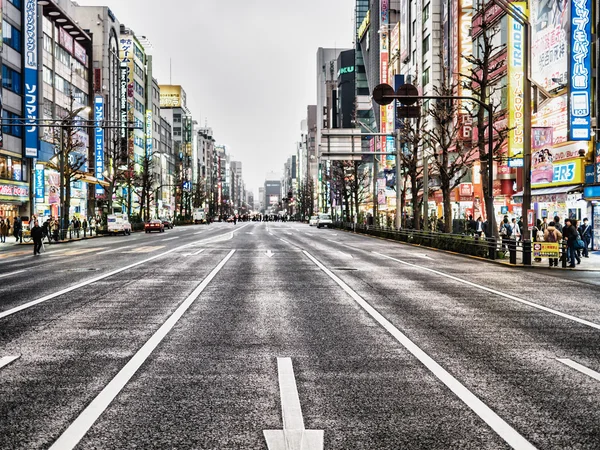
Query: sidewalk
(587, 264)
(11, 243)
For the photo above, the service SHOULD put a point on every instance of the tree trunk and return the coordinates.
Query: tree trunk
(414, 186)
(447, 210)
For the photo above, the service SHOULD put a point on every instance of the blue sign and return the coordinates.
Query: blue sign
(31, 79)
(581, 74)
(40, 191)
(99, 141)
(589, 174)
(591, 192)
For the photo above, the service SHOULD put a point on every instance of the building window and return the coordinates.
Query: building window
(47, 43)
(11, 36)
(426, 45)
(426, 13)
(12, 169)
(13, 127)
(426, 77)
(11, 80)
(48, 76)
(17, 3)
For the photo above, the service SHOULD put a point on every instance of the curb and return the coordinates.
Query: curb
(479, 258)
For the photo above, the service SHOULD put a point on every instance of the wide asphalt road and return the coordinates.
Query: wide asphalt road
(282, 336)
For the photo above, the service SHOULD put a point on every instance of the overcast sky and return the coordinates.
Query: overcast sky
(248, 67)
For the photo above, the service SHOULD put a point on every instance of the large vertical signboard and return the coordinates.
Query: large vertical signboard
(465, 45)
(31, 79)
(99, 141)
(404, 30)
(384, 56)
(580, 76)
(127, 62)
(516, 85)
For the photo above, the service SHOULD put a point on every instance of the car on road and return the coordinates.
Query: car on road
(118, 223)
(324, 220)
(313, 221)
(154, 225)
(168, 223)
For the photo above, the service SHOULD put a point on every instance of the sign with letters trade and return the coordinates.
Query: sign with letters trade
(516, 86)
(580, 76)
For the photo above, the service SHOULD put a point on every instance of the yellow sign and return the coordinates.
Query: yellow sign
(170, 96)
(364, 25)
(515, 87)
(561, 173)
(546, 250)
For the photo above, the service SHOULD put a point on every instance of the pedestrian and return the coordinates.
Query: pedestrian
(93, 225)
(570, 236)
(46, 229)
(36, 235)
(18, 229)
(516, 229)
(76, 226)
(4, 226)
(557, 224)
(55, 227)
(537, 235)
(84, 225)
(478, 228)
(552, 235)
(585, 231)
(544, 225)
(505, 232)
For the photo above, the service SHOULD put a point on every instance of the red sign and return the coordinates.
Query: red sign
(66, 40)
(530, 219)
(466, 189)
(11, 190)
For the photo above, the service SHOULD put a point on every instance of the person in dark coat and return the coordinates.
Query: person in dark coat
(570, 236)
(18, 229)
(585, 231)
(37, 235)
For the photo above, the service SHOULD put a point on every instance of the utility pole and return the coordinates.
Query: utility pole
(398, 172)
(425, 192)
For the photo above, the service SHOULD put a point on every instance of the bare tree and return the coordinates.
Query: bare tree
(452, 157)
(480, 80)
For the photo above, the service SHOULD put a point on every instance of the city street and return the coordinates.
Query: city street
(261, 335)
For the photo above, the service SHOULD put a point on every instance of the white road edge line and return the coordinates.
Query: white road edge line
(580, 368)
(493, 291)
(170, 239)
(93, 280)
(6, 360)
(496, 423)
(78, 429)
(11, 273)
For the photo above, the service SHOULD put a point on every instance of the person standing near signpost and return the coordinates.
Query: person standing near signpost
(585, 231)
(552, 235)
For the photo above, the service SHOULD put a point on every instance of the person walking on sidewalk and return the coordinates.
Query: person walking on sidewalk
(585, 231)
(4, 226)
(18, 229)
(37, 235)
(570, 234)
(552, 235)
(505, 233)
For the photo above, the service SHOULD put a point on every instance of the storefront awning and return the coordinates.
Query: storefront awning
(518, 197)
(90, 179)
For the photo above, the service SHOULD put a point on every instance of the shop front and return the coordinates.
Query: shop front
(592, 195)
(14, 197)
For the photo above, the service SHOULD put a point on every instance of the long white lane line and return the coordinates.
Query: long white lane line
(6, 360)
(78, 429)
(493, 291)
(11, 273)
(198, 252)
(87, 282)
(291, 410)
(503, 429)
(580, 368)
(170, 239)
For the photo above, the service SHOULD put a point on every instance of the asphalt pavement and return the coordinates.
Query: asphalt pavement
(265, 335)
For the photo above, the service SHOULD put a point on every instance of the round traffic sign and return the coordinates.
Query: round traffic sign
(383, 94)
(409, 94)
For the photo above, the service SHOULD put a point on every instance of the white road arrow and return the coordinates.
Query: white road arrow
(293, 436)
(269, 253)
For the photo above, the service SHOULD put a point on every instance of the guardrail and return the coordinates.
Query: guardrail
(467, 244)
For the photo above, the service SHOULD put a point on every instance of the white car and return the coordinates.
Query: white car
(118, 223)
(313, 221)
(324, 220)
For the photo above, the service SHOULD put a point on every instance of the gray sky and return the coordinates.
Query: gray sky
(248, 67)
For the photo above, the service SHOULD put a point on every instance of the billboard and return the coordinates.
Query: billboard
(404, 30)
(40, 185)
(580, 74)
(31, 78)
(171, 96)
(384, 58)
(516, 75)
(99, 141)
